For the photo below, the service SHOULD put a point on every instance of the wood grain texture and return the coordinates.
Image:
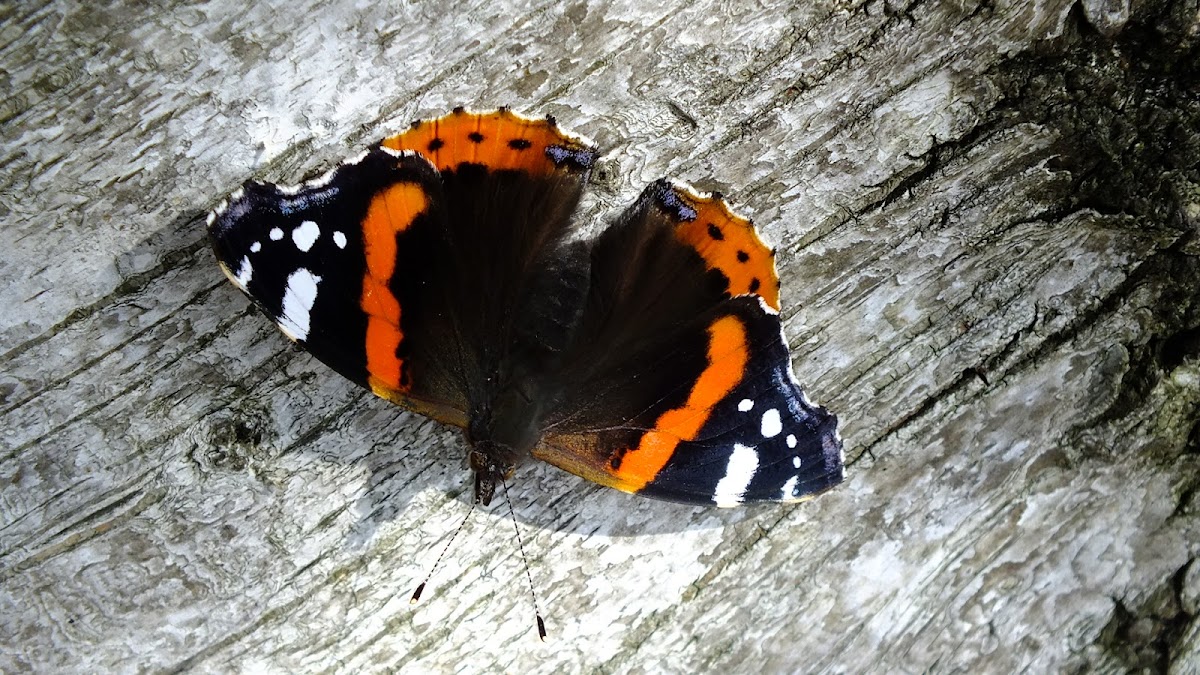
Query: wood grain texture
(986, 214)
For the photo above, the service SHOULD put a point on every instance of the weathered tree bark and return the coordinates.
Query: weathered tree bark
(987, 217)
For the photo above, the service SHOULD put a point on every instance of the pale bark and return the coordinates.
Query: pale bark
(986, 216)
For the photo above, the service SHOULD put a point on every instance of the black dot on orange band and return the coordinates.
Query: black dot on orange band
(715, 232)
(475, 137)
(519, 144)
(754, 284)
(436, 144)
(743, 256)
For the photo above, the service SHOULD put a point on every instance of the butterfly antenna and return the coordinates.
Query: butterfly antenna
(541, 625)
(416, 596)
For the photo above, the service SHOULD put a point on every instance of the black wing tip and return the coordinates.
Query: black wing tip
(256, 191)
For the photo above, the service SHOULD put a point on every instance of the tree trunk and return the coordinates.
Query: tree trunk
(986, 215)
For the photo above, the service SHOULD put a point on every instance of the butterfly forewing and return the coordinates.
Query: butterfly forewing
(678, 384)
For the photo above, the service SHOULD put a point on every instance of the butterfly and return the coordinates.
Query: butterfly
(444, 271)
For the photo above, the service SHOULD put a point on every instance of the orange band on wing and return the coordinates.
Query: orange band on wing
(499, 139)
(728, 354)
(728, 242)
(391, 211)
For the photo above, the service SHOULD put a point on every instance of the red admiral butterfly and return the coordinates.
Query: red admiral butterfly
(440, 271)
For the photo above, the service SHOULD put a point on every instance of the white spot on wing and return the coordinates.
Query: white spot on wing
(306, 235)
(298, 299)
(789, 489)
(791, 440)
(771, 424)
(244, 273)
(275, 234)
(738, 473)
(796, 462)
(256, 247)
(339, 239)
(745, 405)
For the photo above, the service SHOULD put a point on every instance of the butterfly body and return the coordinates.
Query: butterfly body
(442, 270)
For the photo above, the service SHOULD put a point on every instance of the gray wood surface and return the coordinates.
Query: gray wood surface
(986, 213)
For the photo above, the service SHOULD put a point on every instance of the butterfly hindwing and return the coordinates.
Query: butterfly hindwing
(672, 346)
(500, 140)
(727, 242)
(511, 186)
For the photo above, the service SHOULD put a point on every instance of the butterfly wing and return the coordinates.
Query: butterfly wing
(678, 383)
(402, 269)
(321, 258)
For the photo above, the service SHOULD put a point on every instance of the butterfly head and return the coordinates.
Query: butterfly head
(501, 431)
(490, 469)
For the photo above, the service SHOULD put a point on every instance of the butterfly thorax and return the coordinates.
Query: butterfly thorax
(501, 432)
